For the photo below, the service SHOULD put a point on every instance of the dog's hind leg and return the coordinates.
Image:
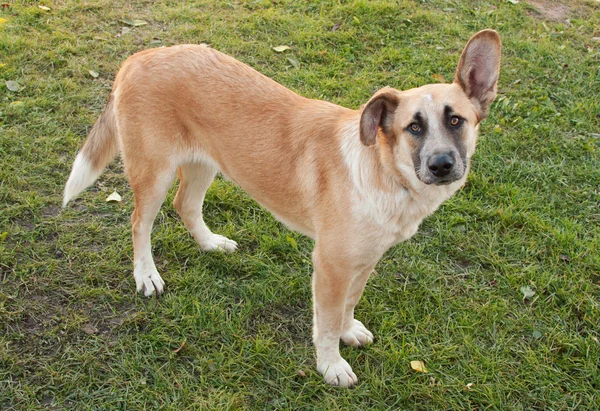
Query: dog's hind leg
(195, 178)
(150, 185)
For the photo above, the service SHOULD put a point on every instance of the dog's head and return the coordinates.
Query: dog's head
(433, 128)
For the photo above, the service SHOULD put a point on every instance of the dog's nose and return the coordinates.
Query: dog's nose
(440, 165)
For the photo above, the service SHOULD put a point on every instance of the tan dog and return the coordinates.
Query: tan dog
(357, 182)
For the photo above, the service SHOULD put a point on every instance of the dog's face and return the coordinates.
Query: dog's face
(433, 129)
(437, 126)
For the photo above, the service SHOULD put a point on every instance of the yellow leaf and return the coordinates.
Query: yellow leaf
(292, 242)
(45, 8)
(439, 78)
(418, 366)
(281, 49)
(3, 20)
(113, 197)
(181, 346)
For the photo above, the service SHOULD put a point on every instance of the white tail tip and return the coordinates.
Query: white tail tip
(82, 176)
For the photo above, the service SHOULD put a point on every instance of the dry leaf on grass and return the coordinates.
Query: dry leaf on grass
(181, 346)
(294, 62)
(113, 197)
(89, 329)
(439, 78)
(13, 85)
(281, 49)
(527, 292)
(133, 22)
(418, 366)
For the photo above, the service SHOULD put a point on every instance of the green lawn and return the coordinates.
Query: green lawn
(75, 335)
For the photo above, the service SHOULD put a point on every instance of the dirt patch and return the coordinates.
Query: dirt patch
(550, 10)
(50, 211)
(290, 321)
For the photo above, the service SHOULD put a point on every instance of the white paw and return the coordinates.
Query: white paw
(218, 242)
(338, 373)
(148, 281)
(357, 335)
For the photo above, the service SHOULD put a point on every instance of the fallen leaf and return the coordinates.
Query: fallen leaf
(113, 197)
(565, 258)
(45, 8)
(13, 85)
(281, 49)
(291, 241)
(89, 329)
(301, 373)
(418, 366)
(595, 38)
(93, 73)
(336, 26)
(536, 334)
(439, 78)
(133, 22)
(294, 62)
(181, 346)
(3, 20)
(527, 292)
(5, 5)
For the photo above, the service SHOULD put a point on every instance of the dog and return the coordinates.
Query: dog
(355, 181)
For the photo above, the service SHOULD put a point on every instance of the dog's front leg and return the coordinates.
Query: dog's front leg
(354, 333)
(332, 280)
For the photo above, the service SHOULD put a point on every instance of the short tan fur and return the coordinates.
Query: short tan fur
(356, 181)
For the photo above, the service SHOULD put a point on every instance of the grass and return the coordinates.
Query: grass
(74, 334)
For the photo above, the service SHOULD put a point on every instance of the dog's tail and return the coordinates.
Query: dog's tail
(99, 149)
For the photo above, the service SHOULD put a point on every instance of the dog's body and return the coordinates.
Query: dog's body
(357, 182)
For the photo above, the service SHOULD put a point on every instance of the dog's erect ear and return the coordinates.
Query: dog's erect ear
(378, 112)
(478, 69)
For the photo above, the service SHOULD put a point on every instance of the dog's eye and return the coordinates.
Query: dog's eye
(455, 121)
(414, 127)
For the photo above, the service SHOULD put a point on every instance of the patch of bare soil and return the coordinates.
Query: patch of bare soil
(550, 10)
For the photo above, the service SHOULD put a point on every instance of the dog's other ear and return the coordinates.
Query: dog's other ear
(378, 112)
(478, 69)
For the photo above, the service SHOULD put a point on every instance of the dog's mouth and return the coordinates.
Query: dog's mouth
(439, 182)
(444, 182)
(430, 179)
